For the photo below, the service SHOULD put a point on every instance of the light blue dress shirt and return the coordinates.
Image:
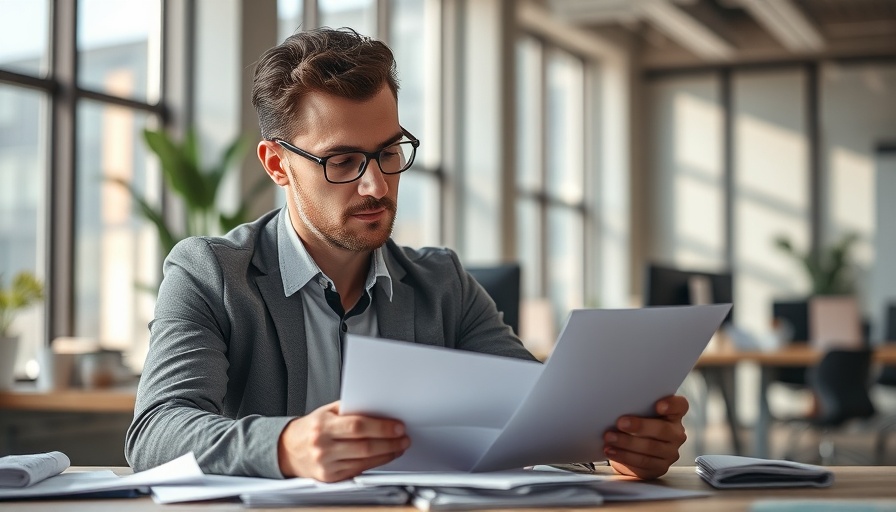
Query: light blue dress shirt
(325, 330)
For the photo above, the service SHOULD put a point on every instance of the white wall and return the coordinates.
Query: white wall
(771, 190)
(685, 179)
(859, 111)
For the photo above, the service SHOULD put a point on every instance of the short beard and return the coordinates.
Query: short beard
(344, 239)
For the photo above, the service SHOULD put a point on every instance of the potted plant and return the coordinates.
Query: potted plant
(24, 290)
(829, 272)
(197, 187)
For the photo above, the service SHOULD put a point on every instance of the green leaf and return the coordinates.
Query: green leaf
(179, 169)
(167, 239)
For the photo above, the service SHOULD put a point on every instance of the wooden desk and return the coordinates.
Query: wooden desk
(865, 484)
(27, 398)
(793, 355)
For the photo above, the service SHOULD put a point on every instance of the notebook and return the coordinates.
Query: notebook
(735, 472)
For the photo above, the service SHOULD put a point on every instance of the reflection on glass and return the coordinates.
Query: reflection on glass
(119, 47)
(289, 18)
(24, 28)
(417, 222)
(22, 198)
(528, 113)
(528, 229)
(116, 251)
(566, 279)
(357, 14)
(565, 125)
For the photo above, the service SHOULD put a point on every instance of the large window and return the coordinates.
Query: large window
(550, 153)
(65, 129)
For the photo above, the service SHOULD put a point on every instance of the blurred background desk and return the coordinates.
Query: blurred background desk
(28, 398)
(726, 358)
(88, 425)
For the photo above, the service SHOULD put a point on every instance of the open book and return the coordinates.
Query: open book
(466, 411)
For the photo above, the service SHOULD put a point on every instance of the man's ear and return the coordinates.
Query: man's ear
(272, 163)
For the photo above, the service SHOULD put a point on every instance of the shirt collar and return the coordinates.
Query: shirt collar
(298, 268)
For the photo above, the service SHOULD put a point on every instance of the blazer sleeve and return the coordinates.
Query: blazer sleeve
(181, 391)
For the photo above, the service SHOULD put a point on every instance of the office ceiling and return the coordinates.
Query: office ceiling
(671, 33)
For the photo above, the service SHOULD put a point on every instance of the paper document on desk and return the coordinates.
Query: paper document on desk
(466, 411)
(25, 470)
(184, 470)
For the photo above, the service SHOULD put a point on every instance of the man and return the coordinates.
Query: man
(246, 345)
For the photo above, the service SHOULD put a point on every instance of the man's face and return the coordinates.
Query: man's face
(355, 216)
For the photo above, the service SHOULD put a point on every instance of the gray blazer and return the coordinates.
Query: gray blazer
(227, 364)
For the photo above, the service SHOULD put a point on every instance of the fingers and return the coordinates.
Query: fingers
(364, 427)
(362, 449)
(642, 447)
(672, 406)
(370, 454)
(329, 447)
(354, 426)
(646, 447)
(661, 429)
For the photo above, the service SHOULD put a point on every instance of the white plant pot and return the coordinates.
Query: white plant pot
(9, 348)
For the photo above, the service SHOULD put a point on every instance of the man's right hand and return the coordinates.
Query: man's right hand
(328, 447)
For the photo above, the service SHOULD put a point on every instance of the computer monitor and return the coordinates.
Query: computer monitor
(669, 286)
(502, 282)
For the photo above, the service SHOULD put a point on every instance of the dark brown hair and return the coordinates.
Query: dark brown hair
(339, 62)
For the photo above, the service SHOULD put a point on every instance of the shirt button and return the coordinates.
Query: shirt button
(344, 327)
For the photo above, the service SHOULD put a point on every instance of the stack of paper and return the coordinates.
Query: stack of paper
(342, 493)
(734, 472)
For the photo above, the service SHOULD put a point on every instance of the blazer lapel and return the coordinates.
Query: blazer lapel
(396, 319)
(286, 314)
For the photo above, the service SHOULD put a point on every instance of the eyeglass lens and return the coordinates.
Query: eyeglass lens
(349, 166)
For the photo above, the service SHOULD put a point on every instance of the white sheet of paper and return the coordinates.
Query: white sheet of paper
(607, 363)
(626, 489)
(219, 486)
(472, 412)
(497, 480)
(184, 470)
(453, 403)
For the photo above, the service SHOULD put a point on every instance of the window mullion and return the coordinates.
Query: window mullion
(60, 223)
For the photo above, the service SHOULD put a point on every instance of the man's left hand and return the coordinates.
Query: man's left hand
(646, 447)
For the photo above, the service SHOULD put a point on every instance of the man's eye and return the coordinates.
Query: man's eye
(347, 161)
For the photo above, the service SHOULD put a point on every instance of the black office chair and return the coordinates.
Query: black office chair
(796, 315)
(887, 375)
(502, 283)
(840, 382)
(887, 378)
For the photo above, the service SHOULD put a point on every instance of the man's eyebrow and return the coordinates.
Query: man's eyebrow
(332, 150)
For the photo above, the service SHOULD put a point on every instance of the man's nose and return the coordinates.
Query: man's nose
(373, 182)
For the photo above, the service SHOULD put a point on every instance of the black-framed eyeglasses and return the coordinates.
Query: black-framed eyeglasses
(351, 165)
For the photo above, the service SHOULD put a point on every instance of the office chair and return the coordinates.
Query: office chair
(502, 283)
(796, 315)
(840, 382)
(887, 378)
(887, 375)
